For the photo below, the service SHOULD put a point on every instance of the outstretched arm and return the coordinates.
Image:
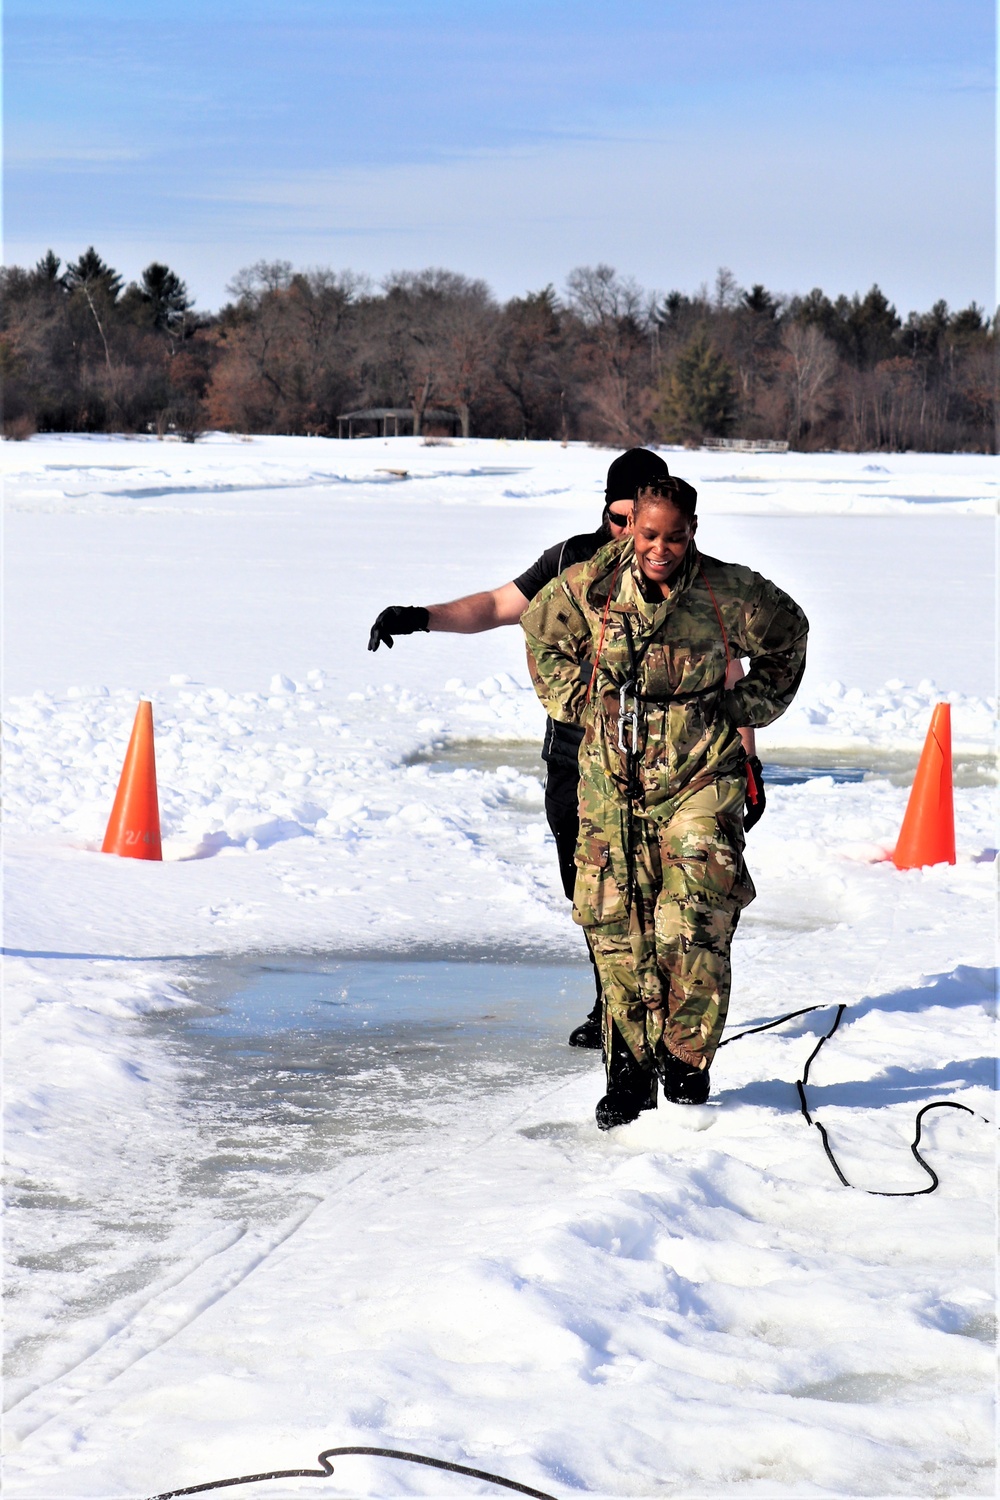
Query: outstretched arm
(466, 616)
(476, 612)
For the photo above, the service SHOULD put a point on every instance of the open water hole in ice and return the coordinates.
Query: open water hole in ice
(781, 768)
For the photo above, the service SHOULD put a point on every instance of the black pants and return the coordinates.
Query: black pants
(562, 811)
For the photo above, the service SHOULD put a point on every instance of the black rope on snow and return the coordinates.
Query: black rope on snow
(753, 1030)
(800, 1084)
(914, 1144)
(326, 1469)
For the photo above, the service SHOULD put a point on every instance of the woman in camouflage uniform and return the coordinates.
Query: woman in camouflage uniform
(660, 873)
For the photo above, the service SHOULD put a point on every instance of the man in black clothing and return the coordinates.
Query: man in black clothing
(505, 606)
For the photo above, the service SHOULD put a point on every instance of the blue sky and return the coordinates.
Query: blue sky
(798, 142)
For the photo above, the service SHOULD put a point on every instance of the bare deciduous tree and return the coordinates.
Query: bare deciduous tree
(811, 365)
(464, 341)
(616, 318)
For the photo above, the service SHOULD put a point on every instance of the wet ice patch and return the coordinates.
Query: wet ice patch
(246, 1085)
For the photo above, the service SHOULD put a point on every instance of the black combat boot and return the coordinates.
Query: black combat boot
(682, 1084)
(631, 1087)
(588, 1033)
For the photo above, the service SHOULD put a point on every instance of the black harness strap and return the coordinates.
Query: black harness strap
(633, 757)
(633, 749)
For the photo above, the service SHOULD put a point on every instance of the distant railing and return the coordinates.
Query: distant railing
(747, 445)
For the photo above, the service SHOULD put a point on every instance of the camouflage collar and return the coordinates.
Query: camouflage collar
(614, 567)
(648, 597)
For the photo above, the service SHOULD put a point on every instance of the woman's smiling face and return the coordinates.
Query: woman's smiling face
(662, 536)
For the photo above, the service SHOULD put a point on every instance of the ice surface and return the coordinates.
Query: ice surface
(230, 561)
(282, 1071)
(244, 1225)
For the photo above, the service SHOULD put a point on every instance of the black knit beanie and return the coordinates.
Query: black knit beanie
(630, 471)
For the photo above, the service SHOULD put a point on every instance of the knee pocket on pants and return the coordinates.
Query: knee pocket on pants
(706, 868)
(698, 922)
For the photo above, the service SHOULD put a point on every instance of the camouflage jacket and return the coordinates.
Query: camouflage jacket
(679, 716)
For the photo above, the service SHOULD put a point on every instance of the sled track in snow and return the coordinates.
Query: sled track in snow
(175, 1302)
(197, 1285)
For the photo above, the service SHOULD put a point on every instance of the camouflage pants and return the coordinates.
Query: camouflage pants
(664, 965)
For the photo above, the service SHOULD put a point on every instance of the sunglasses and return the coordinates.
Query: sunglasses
(618, 517)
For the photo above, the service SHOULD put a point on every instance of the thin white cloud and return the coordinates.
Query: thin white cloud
(70, 156)
(888, 199)
(667, 210)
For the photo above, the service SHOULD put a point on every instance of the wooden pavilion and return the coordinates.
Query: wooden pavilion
(386, 420)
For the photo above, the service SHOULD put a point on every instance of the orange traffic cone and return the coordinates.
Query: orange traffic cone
(927, 836)
(134, 825)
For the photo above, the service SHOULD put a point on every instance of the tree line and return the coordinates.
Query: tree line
(606, 361)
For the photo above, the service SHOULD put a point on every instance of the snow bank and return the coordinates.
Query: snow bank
(334, 800)
(239, 769)
(896, 718)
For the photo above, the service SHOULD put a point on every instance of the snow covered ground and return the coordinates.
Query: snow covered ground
(432, 1247)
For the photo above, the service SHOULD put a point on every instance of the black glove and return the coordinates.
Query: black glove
(398, 619)
(756, 801)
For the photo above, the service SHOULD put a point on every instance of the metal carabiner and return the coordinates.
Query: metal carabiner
(624, 717)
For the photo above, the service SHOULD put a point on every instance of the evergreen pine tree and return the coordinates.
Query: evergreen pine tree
(970, 323)
(165, 294)
(47, 269)
(93, 274)
(873, 323)
(698, 394)
(759, 300)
